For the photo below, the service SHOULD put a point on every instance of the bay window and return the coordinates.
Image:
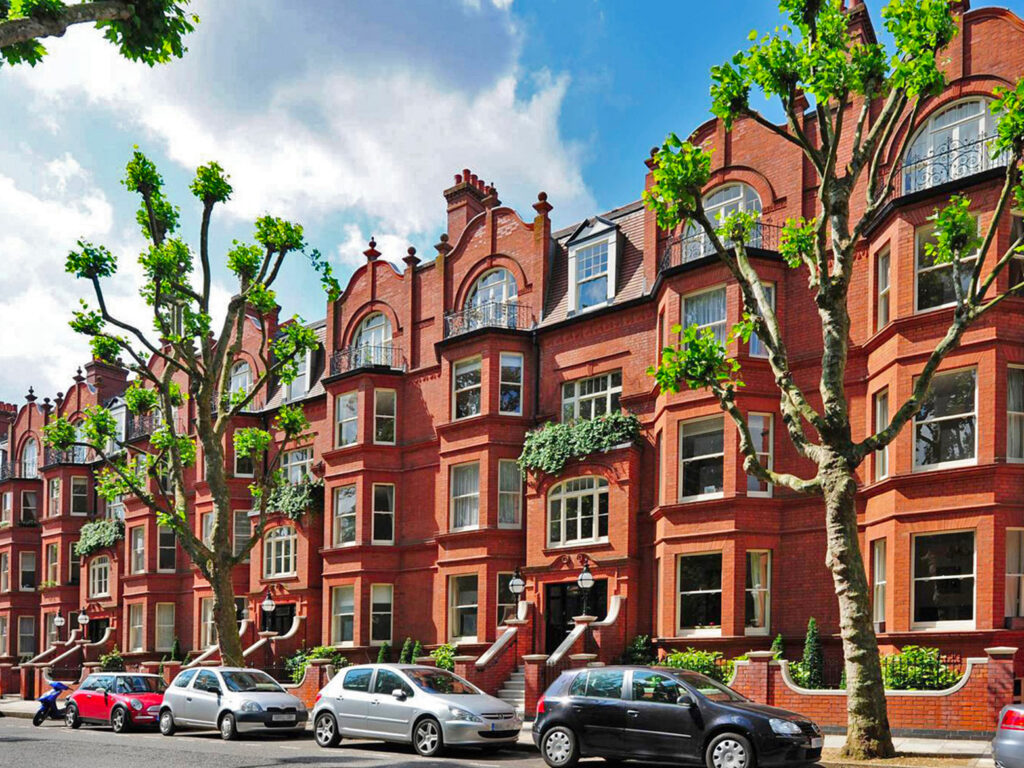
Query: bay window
(758, 592)
(383, 513)
(757, 347)
(27, 571)
(343, 615)
(1015, 414)
(463, 608)
(578, 512)
(760, 426)
(384, 416)
(136, 641)
(381, 608)
(241, 531)
(29, 507)
(465, 496)
(943, 576)
(207, 624)
(882, 291)
(296, 465)
(344, 528)
(53, 500)
(346, 419)
(881, 422)
(466, 388)
(700, 594)
(52, 563)
(280, 552)
(945, 428)
(166, 549)
(5, 572)
(1014, 573)
(701, 458)
(137, 548)
(706, 310)
(165, 626)
(5, 507)
(878, 580)
(510, 389)
(79, 496)
(26, 636)
(510, 494)
(935, 279)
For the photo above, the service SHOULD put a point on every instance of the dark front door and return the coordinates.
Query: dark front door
(562, 602)
(280, 620)
(96, 628)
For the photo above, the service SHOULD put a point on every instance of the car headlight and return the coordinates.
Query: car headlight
(251, 706)
(462, 716)
(785, 727)
(136, 705)
(300, 707)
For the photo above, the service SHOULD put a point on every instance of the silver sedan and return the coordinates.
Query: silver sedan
(423, 706)
(1008, 745)
(232, 700)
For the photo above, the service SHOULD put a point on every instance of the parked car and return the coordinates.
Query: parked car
(1008, 744)
(120, 699)
(231, 699)
(665, 716)
(425, 706)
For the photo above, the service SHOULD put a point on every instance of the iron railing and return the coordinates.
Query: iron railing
(141, 425)
(510, 315)
(359, 356)
(18, 470)
(53, 457)
(697, 245)
(949, 161)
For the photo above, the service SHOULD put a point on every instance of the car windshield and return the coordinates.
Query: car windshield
(251, 681)
(710, 689)
(439, 681)
(140, 684)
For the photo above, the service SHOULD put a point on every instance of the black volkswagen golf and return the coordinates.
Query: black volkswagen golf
(665, 715)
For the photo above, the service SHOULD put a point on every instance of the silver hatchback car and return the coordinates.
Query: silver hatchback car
(425, 706)
(231, 699)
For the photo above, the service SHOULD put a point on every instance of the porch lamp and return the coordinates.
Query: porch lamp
(268, 605)
(58, 622)
(585, 581)
(516, 585)
(83, 618)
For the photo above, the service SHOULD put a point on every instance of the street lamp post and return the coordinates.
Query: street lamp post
(517, 586)
(58, 622)
(83, 620)
(585, 581)
(268, 605)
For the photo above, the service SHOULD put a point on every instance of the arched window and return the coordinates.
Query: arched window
(99, 577)
(719, 203)
(279, 552)
(241, 378)
(78, 452)
(372, 341)
(952, 144)
(30, 458)
(492, 302)
(578, 511)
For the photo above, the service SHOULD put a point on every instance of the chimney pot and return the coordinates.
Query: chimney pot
(458, 178)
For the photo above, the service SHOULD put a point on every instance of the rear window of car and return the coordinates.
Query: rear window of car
(357, 680)
(182, 680)
(598, 684)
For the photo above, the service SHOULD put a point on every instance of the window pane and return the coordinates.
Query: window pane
(944, 577)
(605, 683)
(700, 572)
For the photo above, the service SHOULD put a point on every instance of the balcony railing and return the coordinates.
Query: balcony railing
(141, 425)
(949, 161)
(492, 314)
(18, 470)
(366, 356)
(696, 246)
(53, 457)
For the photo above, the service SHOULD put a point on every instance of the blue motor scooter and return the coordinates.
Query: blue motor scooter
(48, 709)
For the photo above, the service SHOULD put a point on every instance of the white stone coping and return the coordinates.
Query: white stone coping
(567, 644)
(788, 680)
(491, 653)
(614, 607)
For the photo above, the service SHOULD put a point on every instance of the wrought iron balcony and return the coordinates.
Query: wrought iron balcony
(510, 315)
(141, 425)
(949, 161)
(18, 470)
(696, 246)
(75, 455)
(358, 356)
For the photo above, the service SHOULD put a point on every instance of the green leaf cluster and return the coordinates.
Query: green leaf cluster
(251, 442)
(699, 359)
(296, 664)
(139, 399)
(384, 654)
(956, 232)
(292, 342)
(809, 672)
(681, 171)
(155, 33)
(211, 184)
(710, 663)
(555, 444)
(915, 668)
(59, 434)
(98, 534)
(444, 656)
(294, 500)
(90, 261)
(291, 420)
(112, 662)
(640, 651)
(796, 241)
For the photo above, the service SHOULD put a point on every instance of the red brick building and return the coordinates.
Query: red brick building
(429, 377)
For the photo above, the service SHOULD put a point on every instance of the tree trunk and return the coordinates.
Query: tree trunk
(867, 734)
(225, 616)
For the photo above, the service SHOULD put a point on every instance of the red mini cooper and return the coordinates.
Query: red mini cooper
(122, 699)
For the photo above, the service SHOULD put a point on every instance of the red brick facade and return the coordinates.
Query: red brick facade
(424, 398)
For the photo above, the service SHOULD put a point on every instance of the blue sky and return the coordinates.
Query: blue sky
(348, 117)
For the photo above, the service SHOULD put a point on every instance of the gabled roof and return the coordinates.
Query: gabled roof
(588, 228)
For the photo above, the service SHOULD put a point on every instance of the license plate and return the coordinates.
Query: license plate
(817, 742)
(283, 718)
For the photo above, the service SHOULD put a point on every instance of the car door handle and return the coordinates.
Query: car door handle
(188, 698)
(633, 712)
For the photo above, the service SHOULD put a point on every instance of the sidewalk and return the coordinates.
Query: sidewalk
(15, 707)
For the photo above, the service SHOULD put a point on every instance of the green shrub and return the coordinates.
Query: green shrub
(417, 651)
(98, 534)
(917, 669)
(810, 671)
(778, 648)
(639, 651)
(444, 656)
(112, 662)
(710, 663)
(296, 663)
(405, 656)
(176, 650)
(384, 654)
(549, 448)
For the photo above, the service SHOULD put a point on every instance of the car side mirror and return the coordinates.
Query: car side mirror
(686, 700)
(399, 694)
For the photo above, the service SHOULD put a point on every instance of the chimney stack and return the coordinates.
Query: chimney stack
(104, 379)
(465, 201)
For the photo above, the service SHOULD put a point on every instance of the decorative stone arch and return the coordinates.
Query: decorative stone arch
(588, 467)
(482, 267)
(370, 308)
(741, 174)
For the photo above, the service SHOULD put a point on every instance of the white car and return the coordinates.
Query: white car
(427, 707)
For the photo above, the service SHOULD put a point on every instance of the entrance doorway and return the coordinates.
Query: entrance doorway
(280, 620)
(95, 629)
(562, 602)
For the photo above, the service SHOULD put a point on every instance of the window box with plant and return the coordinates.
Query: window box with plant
(551, 447)
(99, 534)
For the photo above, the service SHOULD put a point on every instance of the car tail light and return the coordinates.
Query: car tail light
(1012, 721)
(316, 699)
(540, 706)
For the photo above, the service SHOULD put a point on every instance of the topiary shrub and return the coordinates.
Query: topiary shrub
(639, 651)
(444, 656)
(417, 651)
(555, 444)
(384, 654)
(112, 662)
(810, 671)
(778, 648)
(296, 664)
(710, 663)
(405, 656)
(176, 654)
(917, 669)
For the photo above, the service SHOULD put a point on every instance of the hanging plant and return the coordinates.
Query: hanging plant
(97, 535)
(295, 500)
(555, 444)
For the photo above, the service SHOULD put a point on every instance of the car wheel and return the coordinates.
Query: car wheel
(729, 750)
(119, 721)
(167, 727)
(325, 730)
(228, 730)
(559, 748)
(71, 718)
(427, 739)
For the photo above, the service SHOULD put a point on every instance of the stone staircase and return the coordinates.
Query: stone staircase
(513, 691)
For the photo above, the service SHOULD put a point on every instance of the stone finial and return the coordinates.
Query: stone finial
(411, 258)
(443, 246)
(542, 206)
(47, 406)
(78, 377)
(371, 253)
(31, 396)
(59, 399)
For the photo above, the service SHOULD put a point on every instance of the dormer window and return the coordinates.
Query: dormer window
(241, 378)
(299, 386)
(593, 254)
(372, 341)
(718, 204)
(491, 302)
(495, 287)
(952, 144)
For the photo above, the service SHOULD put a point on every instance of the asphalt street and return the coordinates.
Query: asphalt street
(51, 744)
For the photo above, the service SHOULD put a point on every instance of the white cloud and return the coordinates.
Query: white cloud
(350, 250)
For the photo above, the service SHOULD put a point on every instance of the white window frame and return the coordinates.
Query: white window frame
(49, 630)
(576, 398)
(34, 507)
(512, 497)
(136, 626)
(879, 579)
(336, 518)
(560, 494)
(52, 565)
(375, 512)
(80, 491)
(974, 413)
(1013, 601)
(137, 549)
(755, 347)
(723, 323)
(22, 556)
(30, 621)
(115, 508)
(297, 460)
(239, 539)
(74, 565)
(4, 636)
(921, 234)
(942, 625)
(280, 545)
(289, 395)
(1014, 419)
(162, 626)
(5, 572)
(468, 497)
(236, 471)
(53, 497)
(883, 292)
(207, 624)
(694, 423)
(99, 577)
(337, 614)
(6, 507)
(926, 134)
(378, 417)
(206, 528)
(455, 608)
(516, 360)
(340, 420)
(767, 459)
(697, 631)
(610, 240)
(468, 363)
(766, 589)
(161, 547)
(240, 379)
(881, 421)
(390, 613)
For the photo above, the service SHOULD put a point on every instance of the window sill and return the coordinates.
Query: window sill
(577, 544)
(756, 632)
(699, 632)
(946, 465)
(463, 640)
(702, 497)
(382, 543)
(944, 626)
